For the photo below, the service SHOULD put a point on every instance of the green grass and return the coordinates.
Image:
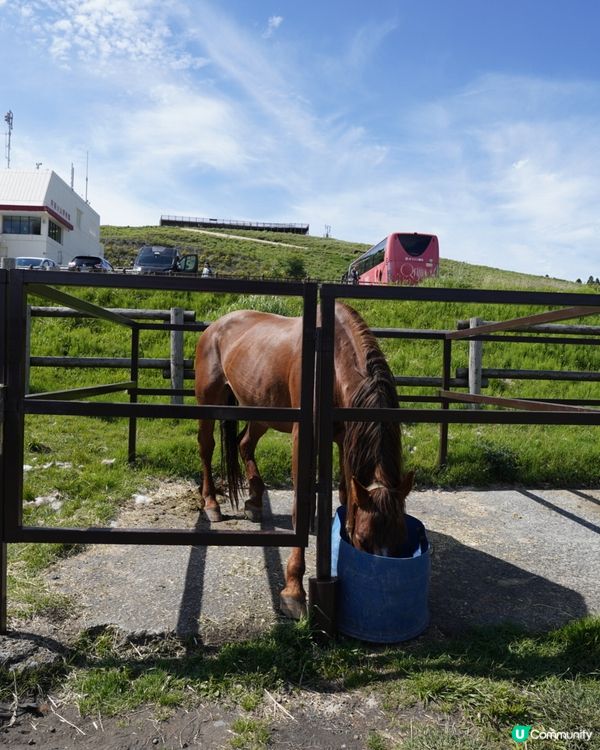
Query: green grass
(465, 692)
(250, 734)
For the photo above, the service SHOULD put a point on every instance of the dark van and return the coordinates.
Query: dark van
(160, 259)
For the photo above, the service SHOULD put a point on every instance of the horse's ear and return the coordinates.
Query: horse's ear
(407, 483)
(360, 494)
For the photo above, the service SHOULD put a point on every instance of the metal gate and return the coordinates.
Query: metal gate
(15, 404)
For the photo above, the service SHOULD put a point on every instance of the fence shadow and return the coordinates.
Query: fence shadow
(272, 555)
(190, 607)
(561, 511)
(585, 496)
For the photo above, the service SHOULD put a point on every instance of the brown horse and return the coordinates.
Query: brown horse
(254, 358)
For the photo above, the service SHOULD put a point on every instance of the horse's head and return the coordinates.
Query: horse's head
(375, 516)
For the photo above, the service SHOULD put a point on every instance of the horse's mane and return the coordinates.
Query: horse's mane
(372, 450)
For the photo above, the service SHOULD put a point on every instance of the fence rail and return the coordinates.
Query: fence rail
(474, 377)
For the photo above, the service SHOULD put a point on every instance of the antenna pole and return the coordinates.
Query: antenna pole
(8, 119)
(87, 163)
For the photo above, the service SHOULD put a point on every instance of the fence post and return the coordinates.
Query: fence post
(177, 355)
(446, 370)
(133, 393)
(3, 545)
(322, 588)
(3, 362)
(27, 348)
(475, 363)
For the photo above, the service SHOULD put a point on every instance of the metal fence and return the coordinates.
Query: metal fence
(196, 221)
(316, 424)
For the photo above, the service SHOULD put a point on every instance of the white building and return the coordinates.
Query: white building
(43, 217)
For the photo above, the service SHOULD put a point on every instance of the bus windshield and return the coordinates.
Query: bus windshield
(415, 244)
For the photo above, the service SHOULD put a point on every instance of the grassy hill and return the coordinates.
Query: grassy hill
(246, 253)
(256, 254)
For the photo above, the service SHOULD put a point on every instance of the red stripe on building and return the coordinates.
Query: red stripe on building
(38, 209)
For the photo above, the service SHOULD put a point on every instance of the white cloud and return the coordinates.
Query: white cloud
(100, 32)
(179, 127)
(273, 24)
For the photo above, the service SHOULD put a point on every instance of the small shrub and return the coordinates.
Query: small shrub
(294, 268)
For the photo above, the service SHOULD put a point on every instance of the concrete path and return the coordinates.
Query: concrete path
(532, 556)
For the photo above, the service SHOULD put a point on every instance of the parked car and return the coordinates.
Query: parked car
(161, 259)
(89, 263)
(45, 264)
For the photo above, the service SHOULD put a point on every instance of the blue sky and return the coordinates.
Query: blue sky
(475, 120)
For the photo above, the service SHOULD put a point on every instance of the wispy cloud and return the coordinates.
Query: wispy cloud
(273, 24)
(366, 40)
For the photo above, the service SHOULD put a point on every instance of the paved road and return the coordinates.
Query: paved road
(527, 555)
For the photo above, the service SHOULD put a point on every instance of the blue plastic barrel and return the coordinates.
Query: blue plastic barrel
(381, 599)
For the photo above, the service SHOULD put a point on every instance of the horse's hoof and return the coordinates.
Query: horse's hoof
(213, 514)
(253, 512)
(292, 607)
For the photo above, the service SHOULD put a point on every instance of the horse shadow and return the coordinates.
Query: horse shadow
(470, 588)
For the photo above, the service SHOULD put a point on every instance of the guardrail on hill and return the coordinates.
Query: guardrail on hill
(269, 226)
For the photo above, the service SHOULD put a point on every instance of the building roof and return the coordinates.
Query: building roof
(24, 187)
(41, 190)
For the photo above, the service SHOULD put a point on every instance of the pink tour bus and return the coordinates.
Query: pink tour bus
(399, 258)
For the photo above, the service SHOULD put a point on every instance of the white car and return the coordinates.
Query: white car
(45, 264)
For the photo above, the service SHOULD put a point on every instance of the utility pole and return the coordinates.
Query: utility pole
(8, 119)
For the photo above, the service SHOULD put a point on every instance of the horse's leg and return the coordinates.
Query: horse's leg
(250, 437)
(210, 389)
(293, 596)
(292, 599)
(206, 445)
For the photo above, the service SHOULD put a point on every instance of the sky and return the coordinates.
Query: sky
(476, 120)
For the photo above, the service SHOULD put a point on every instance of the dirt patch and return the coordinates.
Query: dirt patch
(300, 719)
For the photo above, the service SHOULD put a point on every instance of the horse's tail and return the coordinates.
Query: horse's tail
(230, 456)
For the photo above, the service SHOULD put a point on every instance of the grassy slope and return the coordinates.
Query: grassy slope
(323, 258)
